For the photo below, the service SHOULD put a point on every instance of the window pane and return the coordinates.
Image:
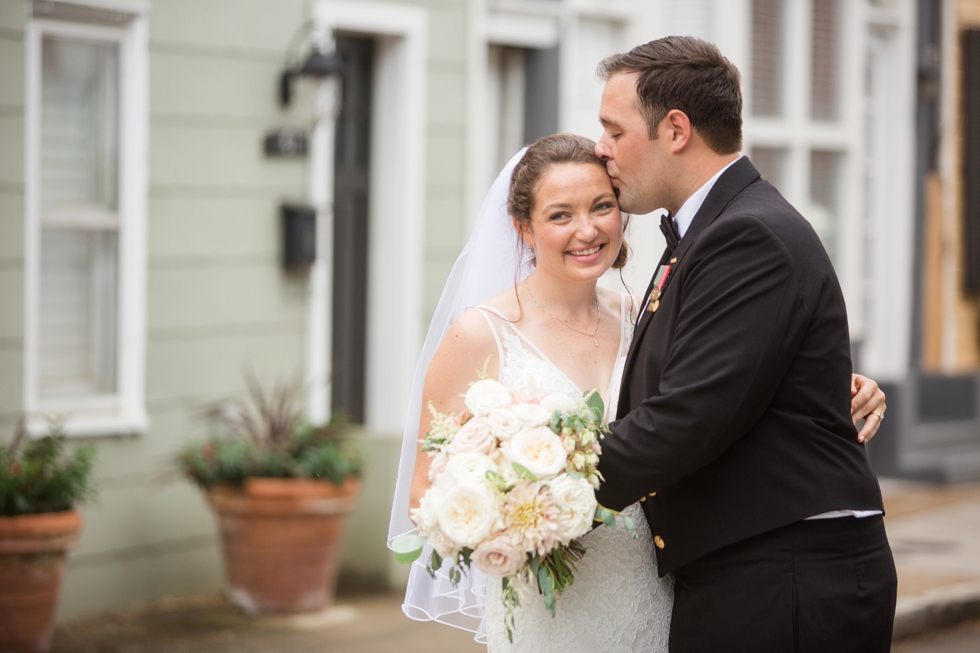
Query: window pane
(79, 143)
(767, 55)
(825, 90)
(770, 162)
(77, 348)
(824, 207)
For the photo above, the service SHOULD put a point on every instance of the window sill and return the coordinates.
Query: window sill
(90, 423)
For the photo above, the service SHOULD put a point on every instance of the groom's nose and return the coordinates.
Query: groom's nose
(602, 150)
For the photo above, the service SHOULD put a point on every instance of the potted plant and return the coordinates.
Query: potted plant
(281, 488)
(41, 483)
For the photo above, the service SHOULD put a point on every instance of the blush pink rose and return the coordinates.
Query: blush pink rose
(473, 436)
(499, 555)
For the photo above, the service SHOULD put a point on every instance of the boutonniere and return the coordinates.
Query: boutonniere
(658, 286)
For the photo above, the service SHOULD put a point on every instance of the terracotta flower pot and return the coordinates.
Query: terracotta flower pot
(33, 552)
(281, 539)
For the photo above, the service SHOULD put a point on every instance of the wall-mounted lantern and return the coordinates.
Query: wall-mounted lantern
(298, 236)
(318, 64)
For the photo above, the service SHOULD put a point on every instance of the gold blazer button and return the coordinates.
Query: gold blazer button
(659, 541)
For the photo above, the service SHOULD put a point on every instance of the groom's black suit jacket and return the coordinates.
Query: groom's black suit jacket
(735, 402)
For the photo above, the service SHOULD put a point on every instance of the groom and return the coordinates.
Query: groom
(734, 424)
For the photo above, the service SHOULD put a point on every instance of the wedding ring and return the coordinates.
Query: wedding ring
(880, 416)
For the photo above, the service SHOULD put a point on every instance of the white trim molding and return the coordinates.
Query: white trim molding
(122, 412)
(396, 212)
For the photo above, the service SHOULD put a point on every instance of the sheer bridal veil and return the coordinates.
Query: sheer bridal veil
(489, 263)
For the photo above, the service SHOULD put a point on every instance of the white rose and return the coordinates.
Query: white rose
(426, 516)
(469, 467)
(467, 514)
(504, 423)
(485, 396)
(533, 414)
(559, 401)
(539, 450)
(576, 503)
(475, 435)
(499, 555)
(444, 546)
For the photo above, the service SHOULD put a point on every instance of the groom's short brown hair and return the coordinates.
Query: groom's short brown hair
(688, 74)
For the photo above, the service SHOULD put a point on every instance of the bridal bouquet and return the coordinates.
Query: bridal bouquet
(513, 486)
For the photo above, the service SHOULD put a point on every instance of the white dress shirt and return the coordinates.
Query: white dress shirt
(683, 219)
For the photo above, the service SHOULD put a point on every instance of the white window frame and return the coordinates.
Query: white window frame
(799, 134)
(874, 232)
(124, 411)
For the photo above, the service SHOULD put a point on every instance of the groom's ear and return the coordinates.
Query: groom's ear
(678, 129)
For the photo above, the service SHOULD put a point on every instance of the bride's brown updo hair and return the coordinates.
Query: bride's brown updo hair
(540, 157)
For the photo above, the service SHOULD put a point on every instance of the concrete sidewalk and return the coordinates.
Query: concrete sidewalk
(935, 534)
(935, 537)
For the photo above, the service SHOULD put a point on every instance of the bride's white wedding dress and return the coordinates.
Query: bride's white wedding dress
(617, 603)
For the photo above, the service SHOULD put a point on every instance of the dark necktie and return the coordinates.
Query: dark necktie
(670, 230)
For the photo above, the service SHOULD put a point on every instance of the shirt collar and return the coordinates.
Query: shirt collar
(685, 215)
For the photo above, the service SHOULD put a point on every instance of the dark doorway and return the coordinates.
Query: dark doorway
(350, 245)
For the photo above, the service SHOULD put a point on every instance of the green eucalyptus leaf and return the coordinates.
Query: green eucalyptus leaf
(435, 560)
(407, 548)
(609, 518)
(545, 582)
(524, 471)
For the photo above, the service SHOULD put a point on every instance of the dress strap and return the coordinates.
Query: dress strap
(484, 310)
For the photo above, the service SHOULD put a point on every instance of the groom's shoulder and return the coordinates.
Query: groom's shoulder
(761, 207)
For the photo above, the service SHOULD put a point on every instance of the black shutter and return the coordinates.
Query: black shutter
(971, 159)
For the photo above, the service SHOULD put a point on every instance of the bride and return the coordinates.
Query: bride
(549, 228)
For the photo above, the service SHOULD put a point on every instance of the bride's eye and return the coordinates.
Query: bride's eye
(558, 216)
(602, 207)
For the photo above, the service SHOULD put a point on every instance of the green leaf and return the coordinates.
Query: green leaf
(407, 548)
(545, 582)
(628, 523)
(594, 401)
(524, 471)
(435, 562)
(609, 518)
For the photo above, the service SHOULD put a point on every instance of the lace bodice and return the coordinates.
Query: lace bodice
(617, 603)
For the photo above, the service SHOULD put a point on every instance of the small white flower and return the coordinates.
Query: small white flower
(445, 547)
(533, 414)
(437, 465)
(576, 503)
(485, 396)
(468, 514)
(426, 516)
(539, 450)
(469, 467)
(504, 423)
(559, 401)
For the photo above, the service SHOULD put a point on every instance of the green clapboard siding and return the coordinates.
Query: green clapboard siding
(218, 300)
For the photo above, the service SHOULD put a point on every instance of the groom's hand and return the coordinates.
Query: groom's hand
(867, 403)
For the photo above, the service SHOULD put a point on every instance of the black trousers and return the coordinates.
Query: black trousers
(820, 586)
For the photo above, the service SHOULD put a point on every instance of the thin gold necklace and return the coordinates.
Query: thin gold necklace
(598, 314)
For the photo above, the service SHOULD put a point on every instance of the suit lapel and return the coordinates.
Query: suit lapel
(732, 182)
